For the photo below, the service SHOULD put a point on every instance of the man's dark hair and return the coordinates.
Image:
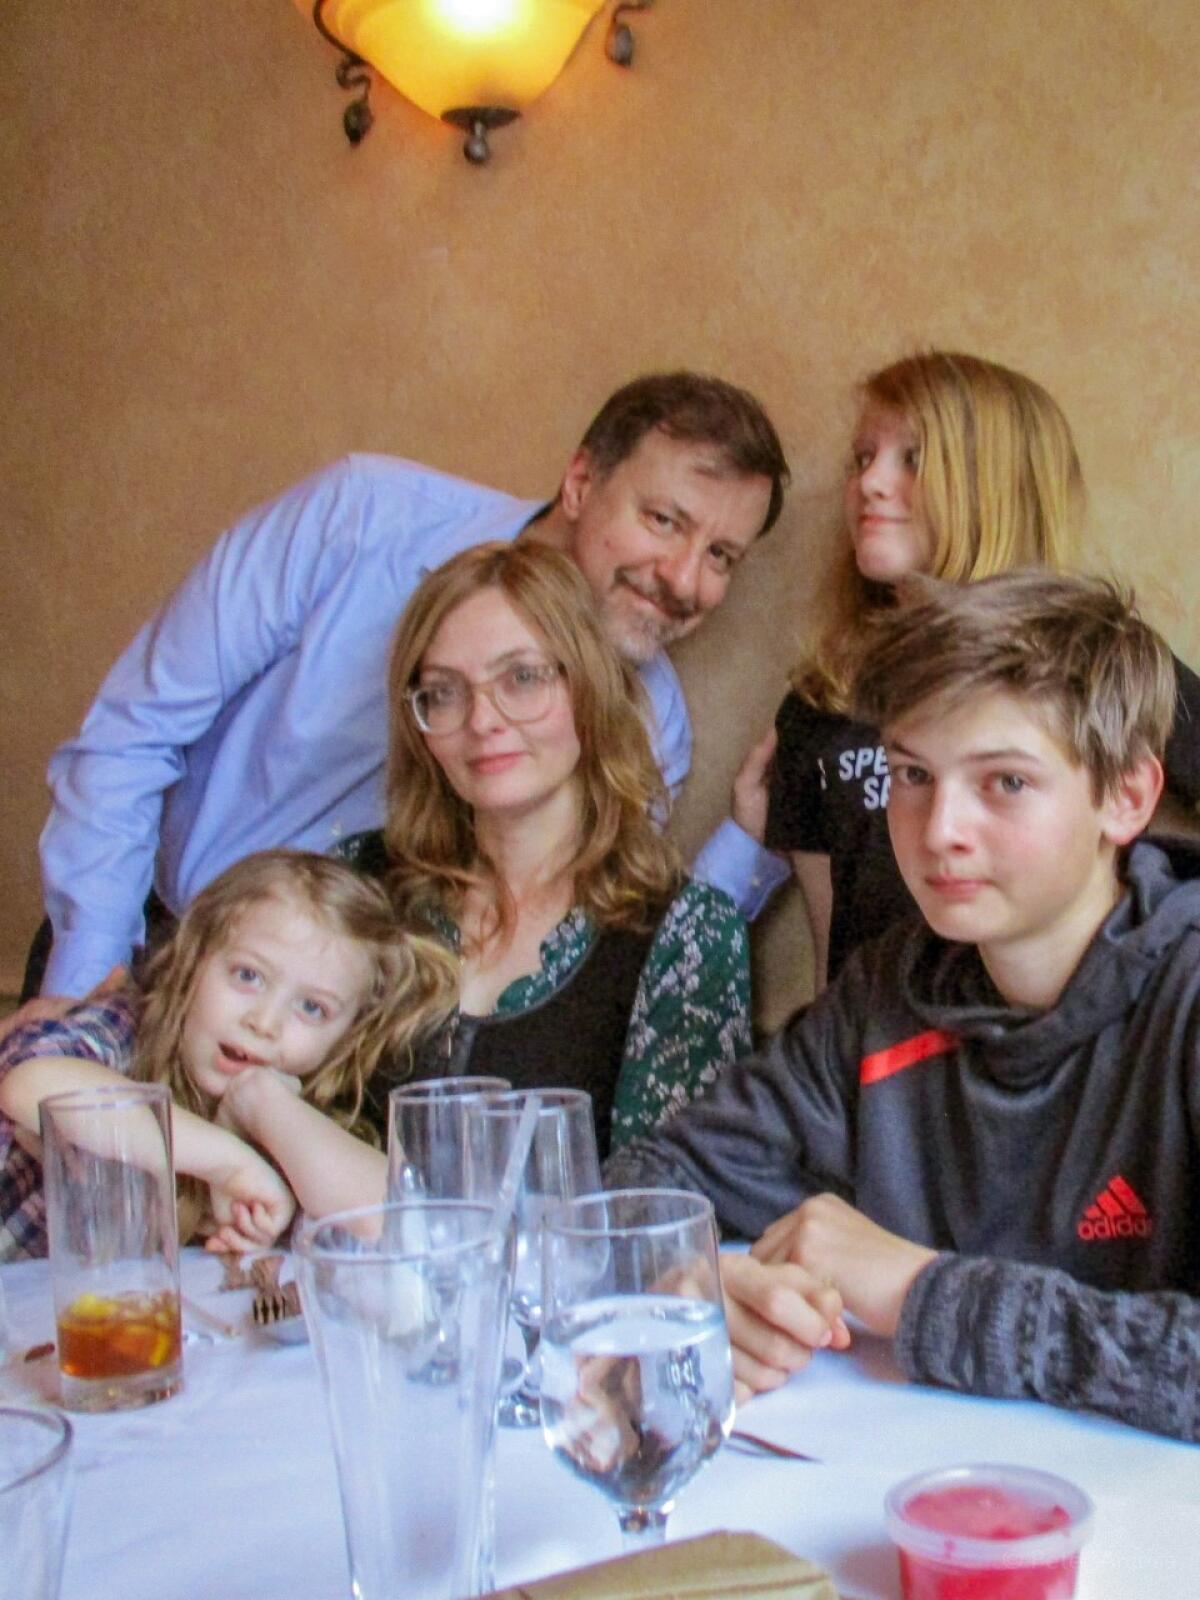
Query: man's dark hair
(698, 410)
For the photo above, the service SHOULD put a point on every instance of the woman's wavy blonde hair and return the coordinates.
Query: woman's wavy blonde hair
(413, 985)
(1001, 487)
(622, 866)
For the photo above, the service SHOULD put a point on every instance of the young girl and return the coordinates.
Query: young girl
(287, 980)
(522, 794)
(960, 468)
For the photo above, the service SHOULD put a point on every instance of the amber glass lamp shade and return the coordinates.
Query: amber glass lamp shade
(448, 54)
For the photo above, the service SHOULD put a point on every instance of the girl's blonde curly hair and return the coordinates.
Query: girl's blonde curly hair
(413, 985)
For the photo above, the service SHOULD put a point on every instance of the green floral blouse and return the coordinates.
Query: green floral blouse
(691, 1010)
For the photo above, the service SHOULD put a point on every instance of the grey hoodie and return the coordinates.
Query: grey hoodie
(1053, 1158)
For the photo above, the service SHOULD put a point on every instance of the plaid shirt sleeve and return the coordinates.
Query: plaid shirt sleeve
(100, 1031)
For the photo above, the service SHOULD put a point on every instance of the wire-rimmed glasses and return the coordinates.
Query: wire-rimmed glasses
(523, 691)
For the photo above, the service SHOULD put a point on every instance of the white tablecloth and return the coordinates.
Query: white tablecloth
(229, 1489)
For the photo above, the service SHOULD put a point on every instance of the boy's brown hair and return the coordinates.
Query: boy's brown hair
(1074, 648)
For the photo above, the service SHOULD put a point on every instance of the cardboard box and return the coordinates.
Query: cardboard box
(718, 1566)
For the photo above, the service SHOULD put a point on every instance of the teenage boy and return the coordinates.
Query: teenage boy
(984, 1139)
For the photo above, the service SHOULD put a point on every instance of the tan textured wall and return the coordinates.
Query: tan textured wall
(205, 294)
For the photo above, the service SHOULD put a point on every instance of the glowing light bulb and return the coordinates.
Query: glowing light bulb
(478, 16)
(449, 54)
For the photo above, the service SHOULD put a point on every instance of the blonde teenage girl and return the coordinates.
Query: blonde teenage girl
(960, 468)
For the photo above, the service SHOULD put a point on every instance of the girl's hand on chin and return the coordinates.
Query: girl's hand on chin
(249, 1096)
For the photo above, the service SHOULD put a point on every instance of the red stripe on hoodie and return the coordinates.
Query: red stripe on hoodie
(883, 1063)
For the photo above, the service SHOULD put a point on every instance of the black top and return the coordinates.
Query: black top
(829, 796)
(575, 1039)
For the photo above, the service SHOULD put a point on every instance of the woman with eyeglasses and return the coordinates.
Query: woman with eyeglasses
(521, 825)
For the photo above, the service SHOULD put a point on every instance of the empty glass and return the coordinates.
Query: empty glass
(637, 1380)
(35, 1501)
(427, 1136)
(562, 1161)
(387, 1291)
(114, 1253)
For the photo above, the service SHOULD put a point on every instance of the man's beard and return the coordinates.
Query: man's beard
(639, 635)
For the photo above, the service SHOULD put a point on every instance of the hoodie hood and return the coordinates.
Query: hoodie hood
(948, 986)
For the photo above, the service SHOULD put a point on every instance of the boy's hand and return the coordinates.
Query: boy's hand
(872, 1268)
(778, 1314)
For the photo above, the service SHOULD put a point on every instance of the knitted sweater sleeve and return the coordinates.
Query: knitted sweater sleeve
(1008, 1329)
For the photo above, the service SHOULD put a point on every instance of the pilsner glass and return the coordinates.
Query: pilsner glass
(637, 1379)
(387, 1290)
(114, 1252)
(428, 1158)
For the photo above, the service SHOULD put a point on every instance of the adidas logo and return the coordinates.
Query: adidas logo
(1116, 1213)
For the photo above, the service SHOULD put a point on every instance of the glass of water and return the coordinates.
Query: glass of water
(637, 1378)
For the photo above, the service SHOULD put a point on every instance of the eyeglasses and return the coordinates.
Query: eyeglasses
(522, 692)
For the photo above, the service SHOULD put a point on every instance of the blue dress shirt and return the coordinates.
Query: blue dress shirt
(252, 710)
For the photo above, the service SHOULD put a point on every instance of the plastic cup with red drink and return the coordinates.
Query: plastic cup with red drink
(988, 1533)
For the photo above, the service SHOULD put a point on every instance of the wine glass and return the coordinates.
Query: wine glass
(427, 1139)
(637, 1377)
(562, 1162)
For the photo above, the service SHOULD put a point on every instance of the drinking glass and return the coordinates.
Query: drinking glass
(427, 1136)
(35, 1501)
(637, 1379)
(562, 1162)
(428, 1156)
(114, 1252)
(412, 1435)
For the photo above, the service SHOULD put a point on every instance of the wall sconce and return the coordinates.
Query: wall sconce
(473, 63)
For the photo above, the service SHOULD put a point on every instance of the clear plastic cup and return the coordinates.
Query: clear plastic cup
(988, 1532)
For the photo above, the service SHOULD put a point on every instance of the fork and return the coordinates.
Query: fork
(276, 1305)
(273, 1301)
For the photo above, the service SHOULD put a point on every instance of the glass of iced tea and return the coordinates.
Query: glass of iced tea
(114, 1253)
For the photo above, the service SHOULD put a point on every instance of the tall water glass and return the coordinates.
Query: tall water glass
(35, 1502)
(637, 1380)
(562, 1162)
(427, 1136)
(382, 1288)
(114, 1252)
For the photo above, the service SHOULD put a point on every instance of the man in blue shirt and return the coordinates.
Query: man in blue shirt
(251, 711)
